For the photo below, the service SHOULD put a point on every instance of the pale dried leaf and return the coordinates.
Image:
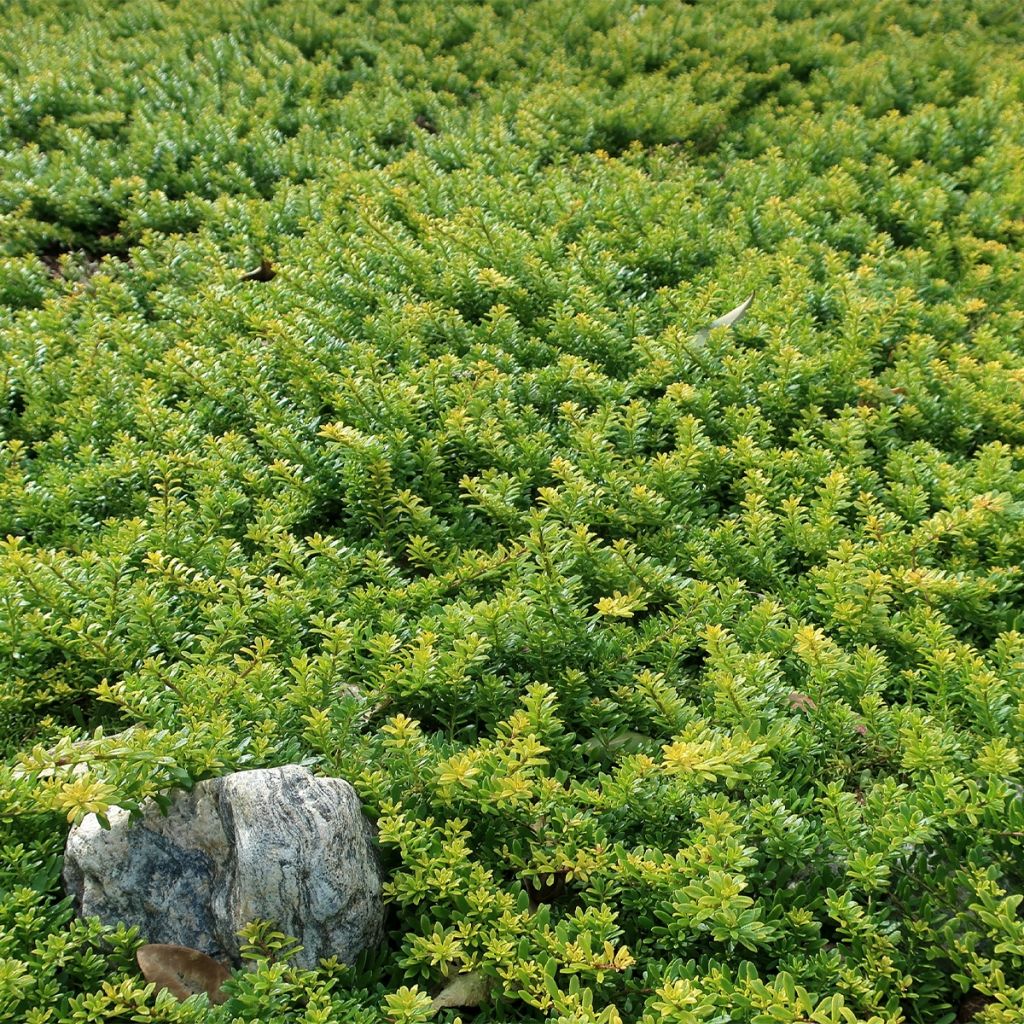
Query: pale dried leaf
(464, 990)
(726, 320)
(182, 971)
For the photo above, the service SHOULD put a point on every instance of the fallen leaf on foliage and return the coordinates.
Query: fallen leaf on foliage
(464, 990)
(264, 272)
(182, 971)
(726, 320)
(801, 702)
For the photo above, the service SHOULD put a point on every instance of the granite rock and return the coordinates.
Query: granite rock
(277, 844)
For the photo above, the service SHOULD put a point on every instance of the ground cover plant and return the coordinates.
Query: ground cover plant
(353, 412)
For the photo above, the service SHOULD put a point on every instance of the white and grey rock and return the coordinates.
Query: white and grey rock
(276, 844)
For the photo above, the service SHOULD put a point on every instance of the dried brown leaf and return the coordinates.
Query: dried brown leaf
(182, 971)
(801, 702)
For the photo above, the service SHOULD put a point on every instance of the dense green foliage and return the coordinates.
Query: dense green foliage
(684, 679)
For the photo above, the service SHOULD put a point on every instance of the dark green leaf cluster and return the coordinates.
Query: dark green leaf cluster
(681, 670)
